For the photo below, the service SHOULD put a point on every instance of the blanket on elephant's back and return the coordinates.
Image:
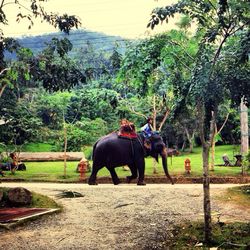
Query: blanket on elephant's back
(127, 135)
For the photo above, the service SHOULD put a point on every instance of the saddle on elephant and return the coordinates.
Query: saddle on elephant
(127, 129)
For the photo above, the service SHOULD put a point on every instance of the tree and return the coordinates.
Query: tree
(218, 21)
(98, 65)
(142, 73)
(187, 123)
(52, 67)
(84, 132)
(22, 123)
(94, 103)
(216, 138)
(34, 9)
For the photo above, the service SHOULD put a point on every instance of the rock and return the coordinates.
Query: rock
(19, 196)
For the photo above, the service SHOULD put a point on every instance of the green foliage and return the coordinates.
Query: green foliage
(84, 132)
(37, 147)
(60, 46)
(140, 60)
(94, 103)
(246, 164)
(93, 63)
(57, 71)
(234, 67)
(96, 128)
(22, 122)
(88, 150)
(76, 138)
(36, 9)
(217, 23)
(115, 60)
(217, 138)
(51, 108)
(178, 68)
(160, 66)
(52, 67)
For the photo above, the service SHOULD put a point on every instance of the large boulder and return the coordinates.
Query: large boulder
(19, 196)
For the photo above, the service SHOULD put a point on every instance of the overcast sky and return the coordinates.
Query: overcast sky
(126, 18)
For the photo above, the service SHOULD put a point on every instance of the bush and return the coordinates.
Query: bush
(82, 133)
(88, 150)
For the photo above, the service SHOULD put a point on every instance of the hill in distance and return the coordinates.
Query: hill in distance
(79, 39)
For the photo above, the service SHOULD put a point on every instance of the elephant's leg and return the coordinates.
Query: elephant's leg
(141, 171)
(133, 170)
(92, 178)
(114, 176)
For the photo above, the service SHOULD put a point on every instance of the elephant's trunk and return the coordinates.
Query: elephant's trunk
(165, 164)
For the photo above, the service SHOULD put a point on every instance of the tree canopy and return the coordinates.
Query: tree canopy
(30, 10)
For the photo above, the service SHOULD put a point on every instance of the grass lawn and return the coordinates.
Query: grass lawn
(53, 171)
(37, 147)
(30, 147)
(224, 235)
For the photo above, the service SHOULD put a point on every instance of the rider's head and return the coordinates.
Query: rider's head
(150, 120)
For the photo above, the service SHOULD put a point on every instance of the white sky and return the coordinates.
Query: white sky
(126, 18)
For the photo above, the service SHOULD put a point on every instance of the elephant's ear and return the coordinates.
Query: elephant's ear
(147, 145)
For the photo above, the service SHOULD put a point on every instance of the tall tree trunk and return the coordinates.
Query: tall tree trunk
(206, 180)
(2, 88)
(190, 139)
(191, 146)
(183, 145)
(154, 113)
(3, 85)
(2, 62)
(244, 128)
(213, 150)
(65, 151)
(206, 198)
(244, 132)
(213, 141)
(65, 146)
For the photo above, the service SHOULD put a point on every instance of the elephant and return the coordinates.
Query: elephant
(113, 150)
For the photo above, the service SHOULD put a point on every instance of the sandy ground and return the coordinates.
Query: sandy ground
(115, 217)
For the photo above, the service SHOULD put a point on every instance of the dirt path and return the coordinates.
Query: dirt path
(114, 217)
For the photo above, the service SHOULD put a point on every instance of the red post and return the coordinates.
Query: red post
(82, 168)
(187, 166)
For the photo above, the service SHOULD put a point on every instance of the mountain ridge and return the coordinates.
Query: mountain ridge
(79, 39)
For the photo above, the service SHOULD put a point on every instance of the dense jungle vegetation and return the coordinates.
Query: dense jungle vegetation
(169, 76)
(106, 86)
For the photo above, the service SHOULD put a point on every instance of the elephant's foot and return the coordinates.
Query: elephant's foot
(117, 182)
(141, 183)
(92, 183)
(128, 179)
(171, 180)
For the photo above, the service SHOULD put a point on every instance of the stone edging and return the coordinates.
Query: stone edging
(155, 180)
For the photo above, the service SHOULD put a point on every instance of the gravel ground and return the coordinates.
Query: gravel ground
(115, 217)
